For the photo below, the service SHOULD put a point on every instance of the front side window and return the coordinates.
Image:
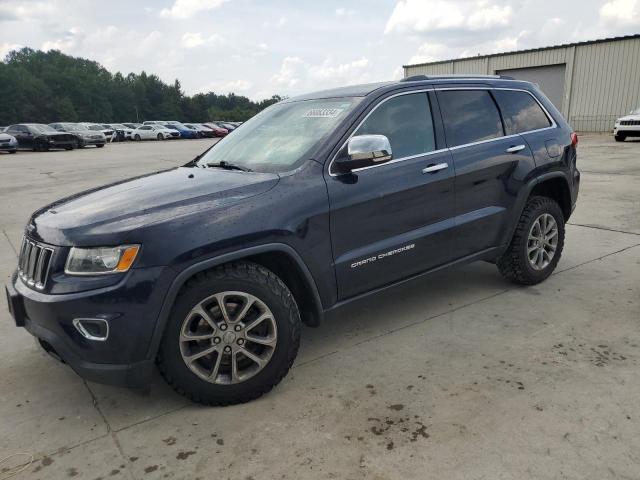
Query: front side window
(520, 112)
(406, 121)
(469, 116)
(281, 137)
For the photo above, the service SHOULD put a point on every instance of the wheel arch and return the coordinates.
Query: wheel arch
(280, 258)
(555, 187)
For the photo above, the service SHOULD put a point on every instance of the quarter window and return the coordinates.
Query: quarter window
(520, 112)
(406, 121)
(469, 116)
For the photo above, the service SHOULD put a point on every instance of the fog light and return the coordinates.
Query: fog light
(96, 329)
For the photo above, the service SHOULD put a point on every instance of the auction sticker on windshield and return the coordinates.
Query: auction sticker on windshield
(323, 113)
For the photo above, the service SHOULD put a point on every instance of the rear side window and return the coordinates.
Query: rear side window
(520, 112)
(406, 121)
(469, 116)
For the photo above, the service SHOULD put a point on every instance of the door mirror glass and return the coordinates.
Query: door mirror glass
(364, 151)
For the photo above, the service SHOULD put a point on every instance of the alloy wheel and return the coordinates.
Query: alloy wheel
(228, 337)
(542, 241)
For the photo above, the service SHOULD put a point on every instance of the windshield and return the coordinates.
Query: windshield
(96, 127)
(117, 125)
(176, 125)
(279, 138)
(40, 128)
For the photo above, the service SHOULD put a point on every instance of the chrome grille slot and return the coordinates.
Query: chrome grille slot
(34, 263)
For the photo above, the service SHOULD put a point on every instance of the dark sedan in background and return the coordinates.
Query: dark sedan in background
(41, 137)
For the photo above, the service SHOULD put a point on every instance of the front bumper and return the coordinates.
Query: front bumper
(8, 147)
(627, 130)
(131, 307)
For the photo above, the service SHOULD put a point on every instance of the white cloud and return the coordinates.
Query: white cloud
(301, 75)
(231, 86)
(289, 72)
(344, 12)
(183, 9)
(281, 22)
(196, 39)
(5, 48)
(429, 52)
(620, 13)
(424, 16)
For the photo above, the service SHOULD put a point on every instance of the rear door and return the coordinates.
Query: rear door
(490, 167)
(393, 220)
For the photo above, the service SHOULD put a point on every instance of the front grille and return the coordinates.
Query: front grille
(630, 122)
(34, 263)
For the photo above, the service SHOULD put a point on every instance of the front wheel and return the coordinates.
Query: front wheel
(99, 145)
(537, 243)
(160, 136)
(619, 138)
(137, 137)
(232, 336)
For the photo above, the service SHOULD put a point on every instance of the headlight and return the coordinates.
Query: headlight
(95, 261)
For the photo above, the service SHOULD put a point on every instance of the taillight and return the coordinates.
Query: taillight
(574, 139)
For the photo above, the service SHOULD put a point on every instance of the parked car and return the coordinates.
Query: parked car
(627, 126)
(230, 128)
(40, 137)
(203, 132)
(8, 143)
(122, 132)
(132, 126)
(2, 129)
(155, 122)
(217, 130)
(83, 135)
(154, 132)
(208, 270)
(185, 132)
(108, 132)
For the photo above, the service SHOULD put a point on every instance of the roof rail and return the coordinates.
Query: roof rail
(418, 78)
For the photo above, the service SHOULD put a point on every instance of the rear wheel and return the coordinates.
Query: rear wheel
(233, 335)
(137, 137)
(100, 145)
(160, 136)
(620, 138)
(537, 243)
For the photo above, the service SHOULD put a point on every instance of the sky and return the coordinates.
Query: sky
(258, 48)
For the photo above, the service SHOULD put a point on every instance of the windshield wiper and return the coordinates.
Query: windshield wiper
(227, 166)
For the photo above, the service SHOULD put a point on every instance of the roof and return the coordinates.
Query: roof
(564, 45)
(349, 91)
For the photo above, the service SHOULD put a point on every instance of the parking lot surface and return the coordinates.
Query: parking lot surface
(461, 375)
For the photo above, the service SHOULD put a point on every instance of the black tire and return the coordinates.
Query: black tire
(13, 151)
(514, 263)
(160, 136)
(99, 145)
(619, 138)
(246, 277)
(137, 137)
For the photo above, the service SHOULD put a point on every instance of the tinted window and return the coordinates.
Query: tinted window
(469, 116)
(406, 121)
(520, 112)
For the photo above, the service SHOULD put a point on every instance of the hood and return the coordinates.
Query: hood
(634, 116)
(126, 207)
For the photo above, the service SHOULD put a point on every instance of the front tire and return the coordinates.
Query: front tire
(160, 136)
(233, 334)
(619, 138)
(136, 138)
(537, 243)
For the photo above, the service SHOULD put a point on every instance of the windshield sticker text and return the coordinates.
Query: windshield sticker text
(323, 113)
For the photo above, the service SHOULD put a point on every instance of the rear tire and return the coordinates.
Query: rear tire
(535, 249)
(137, 137)
(620, 138)
(100, 145)
(251, 295)
(160, 136)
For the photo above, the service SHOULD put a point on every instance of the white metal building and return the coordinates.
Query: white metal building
(591, 83)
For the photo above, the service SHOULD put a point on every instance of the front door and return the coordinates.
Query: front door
(393, 220)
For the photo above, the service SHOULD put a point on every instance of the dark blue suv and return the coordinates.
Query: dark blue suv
(208, 270)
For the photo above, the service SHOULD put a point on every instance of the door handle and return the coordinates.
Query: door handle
(435, 168)
(515, 149)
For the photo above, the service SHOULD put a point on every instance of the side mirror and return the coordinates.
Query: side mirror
(363, 151)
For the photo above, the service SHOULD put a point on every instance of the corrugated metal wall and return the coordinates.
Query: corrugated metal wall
(602, 79)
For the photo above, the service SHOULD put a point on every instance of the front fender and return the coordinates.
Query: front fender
(184, 275)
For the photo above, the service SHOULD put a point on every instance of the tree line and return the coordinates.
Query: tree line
(44, 87)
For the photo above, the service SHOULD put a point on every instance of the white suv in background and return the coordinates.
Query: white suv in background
(627, 126)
